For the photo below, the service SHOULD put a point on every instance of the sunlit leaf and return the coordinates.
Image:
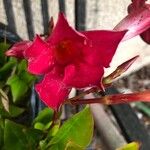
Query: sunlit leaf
(72, 146)
(44, 116)
(78, 129)
(130, 146)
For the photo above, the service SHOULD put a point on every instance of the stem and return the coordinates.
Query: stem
(115, 99)
(91, 90)
(54, 119)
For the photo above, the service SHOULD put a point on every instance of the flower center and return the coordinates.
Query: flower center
(66, 51)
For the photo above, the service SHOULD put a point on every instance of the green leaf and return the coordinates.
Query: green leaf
(72, 146)
(4, 46)
(17, 137)
(78, 129)
(14, 111)
(22, 66)
(39, 126)
(18, 88)
(130, 146)
(54, 130)
(23, 74)
(27, 78)
(14, 138)
(44, 116)
(7, 66)
(33, 137)
(1, 136)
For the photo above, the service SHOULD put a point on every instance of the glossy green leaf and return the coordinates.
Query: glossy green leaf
(72, 146)
(17, 137)
(18, 87)
(130, 146)
(44, 116)
(78, 129)
(39, 126)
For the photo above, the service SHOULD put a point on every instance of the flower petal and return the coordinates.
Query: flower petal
(103, 46)
(83, 75)
(39, 56)
(17, 50)
(134, 6)
(52, 90)
(37, 48)
(146, 36)
(41, 65)
(63, 31)
(136, 22)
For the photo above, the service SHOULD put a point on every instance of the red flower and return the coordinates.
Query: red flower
(137, 22)
(18, 49)
(69, 58)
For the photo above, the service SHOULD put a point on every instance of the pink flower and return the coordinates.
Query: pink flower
(69, 58)
(134, 6)
(137, 22)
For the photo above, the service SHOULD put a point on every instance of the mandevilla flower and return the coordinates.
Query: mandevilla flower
(68, 58)
(137, 22)
(134, 6)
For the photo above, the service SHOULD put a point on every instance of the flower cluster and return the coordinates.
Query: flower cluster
(69, 58)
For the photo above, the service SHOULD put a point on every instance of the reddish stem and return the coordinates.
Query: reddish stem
(91, 90)
(115, 99)
(54, 119)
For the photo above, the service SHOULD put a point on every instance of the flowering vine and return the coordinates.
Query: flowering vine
(68, 58)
